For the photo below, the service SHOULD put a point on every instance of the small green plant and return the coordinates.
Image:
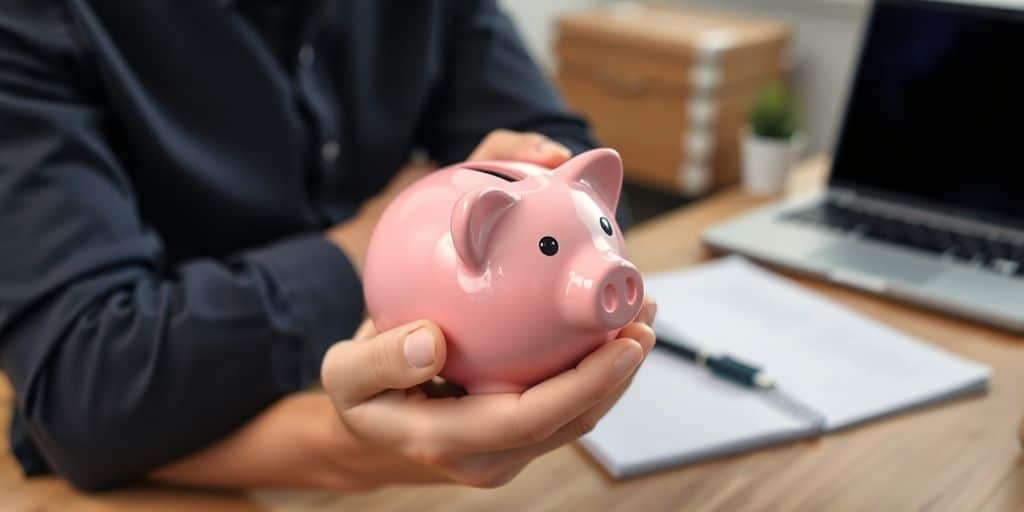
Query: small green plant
(774, 113)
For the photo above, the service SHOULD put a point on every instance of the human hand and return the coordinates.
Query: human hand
(353, 235)
(521, 146)
(299, 442)
(398, 434)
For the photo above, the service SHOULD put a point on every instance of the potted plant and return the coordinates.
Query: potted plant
(772, 142)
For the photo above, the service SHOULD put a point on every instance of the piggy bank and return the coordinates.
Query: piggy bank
(523, 268)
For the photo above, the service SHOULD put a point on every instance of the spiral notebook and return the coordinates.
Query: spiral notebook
(834, 368)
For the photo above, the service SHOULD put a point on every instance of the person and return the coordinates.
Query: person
(186, 193)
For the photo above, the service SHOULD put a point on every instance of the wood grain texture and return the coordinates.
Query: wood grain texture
(962, 456)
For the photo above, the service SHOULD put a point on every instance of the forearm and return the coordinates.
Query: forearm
(287, 445)
(128, 370)
(299, 442)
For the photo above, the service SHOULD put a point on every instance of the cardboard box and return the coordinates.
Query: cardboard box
(668, 88)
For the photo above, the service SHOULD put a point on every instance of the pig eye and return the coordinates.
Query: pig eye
(548, 246)
(606, 226)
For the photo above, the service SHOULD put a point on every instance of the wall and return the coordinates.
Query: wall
(536, 22)
(827, 40)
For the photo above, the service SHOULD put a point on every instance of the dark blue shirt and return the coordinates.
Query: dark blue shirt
(166, 171)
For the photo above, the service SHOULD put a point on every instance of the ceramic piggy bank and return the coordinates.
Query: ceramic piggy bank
(522, 267)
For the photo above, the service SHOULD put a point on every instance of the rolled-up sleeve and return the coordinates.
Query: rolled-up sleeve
(122, 362)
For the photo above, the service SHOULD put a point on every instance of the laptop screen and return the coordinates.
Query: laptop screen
(936, 112)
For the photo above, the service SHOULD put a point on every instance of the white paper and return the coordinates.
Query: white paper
(841, 364)
(676, 412)
(846, 366)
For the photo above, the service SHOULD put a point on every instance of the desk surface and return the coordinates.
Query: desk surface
(960, 456)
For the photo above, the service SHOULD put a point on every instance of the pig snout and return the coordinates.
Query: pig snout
(604, 294)
(621, 292)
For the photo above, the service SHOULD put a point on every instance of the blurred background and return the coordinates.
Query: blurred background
(616, 65)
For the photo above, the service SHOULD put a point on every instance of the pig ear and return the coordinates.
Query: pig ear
(473, 222)
(601, 169)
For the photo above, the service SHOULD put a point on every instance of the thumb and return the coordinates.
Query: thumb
(357, 370)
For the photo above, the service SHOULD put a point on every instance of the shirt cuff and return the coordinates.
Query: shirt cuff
(323, 291)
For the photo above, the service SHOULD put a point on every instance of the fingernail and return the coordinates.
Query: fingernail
(628, 359)
(419, 348)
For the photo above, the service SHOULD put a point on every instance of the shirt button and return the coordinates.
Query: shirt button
(306, 55)
(329, 151)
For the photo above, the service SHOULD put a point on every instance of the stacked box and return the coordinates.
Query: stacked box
(668, 87)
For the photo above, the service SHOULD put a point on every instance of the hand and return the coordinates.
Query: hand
(353, 235)
(524, 147)
(299, 442)
(398, 434)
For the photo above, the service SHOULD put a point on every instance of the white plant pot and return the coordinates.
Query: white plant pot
(767, 162)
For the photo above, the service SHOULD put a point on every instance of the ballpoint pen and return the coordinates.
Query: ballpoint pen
(724, 366)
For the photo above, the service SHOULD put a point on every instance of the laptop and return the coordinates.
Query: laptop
(925, 200)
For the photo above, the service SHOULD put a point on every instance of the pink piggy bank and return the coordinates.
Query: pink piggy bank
(522, 267)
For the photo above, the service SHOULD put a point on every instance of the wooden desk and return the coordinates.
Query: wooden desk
(960, 456)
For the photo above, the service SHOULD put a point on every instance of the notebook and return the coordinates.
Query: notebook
(834, 368)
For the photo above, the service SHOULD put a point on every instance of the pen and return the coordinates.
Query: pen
(724, 366)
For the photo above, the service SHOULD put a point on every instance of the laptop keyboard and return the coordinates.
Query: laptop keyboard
(997, 254)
